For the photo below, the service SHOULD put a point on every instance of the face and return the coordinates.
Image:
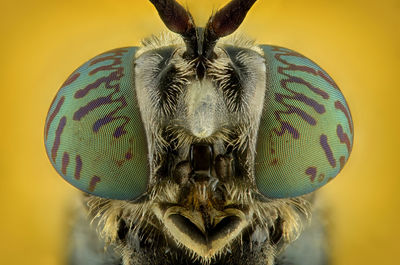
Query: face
(201, 129)
(197, 146)
(182, 110)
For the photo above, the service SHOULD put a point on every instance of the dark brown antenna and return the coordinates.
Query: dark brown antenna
(224, 23)
(178, 20)
(200, 42)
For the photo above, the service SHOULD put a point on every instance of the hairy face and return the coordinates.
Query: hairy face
(201, 119)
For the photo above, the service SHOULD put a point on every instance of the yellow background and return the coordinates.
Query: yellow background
(356, 42)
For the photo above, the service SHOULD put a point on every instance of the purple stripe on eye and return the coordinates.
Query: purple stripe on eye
(119, 131)
(321, 177)
(71, 79)
(342, 161)
(302, 68)
(110, 55)
(102, 59)
(323, 140)
(117, 61)
(312, 172)
(128, 155)
(286, 127)
(98, 102)
(343, 137)
(93, 183)
(56, 143)
(314, 89)
(341, 107)
(110, 82)
(65, 161)
(116, 74)
(319, 108)
(78, 167)
(54, 114)
(292, 99)
(113, 76)
(292, 109)
(100, 122)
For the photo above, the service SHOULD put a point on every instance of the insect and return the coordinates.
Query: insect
(198, 147)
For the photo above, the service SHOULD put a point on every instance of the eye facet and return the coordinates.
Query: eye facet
(94, 134)
(306, 131)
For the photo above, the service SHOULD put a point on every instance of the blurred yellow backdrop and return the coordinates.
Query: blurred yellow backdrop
(356, 42)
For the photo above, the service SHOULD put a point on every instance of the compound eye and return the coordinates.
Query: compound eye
(306, 131)
(94, 134)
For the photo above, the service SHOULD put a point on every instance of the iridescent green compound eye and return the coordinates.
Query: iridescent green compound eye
(306, 132)
(94, 134)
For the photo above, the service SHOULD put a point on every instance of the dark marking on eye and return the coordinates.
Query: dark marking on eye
(323, 140)
(128, 155)
(314, 89)
(111, 81)
(65, 162)
(294, 109)
(341, 107)
(113, 76)
(93, 182)
(319, 108)
(70, 79)
(343, 137)
(312, 172)
(110, 67)
(321, 177)
(342, 161)
(120, 130)
(54, 114)
(285, 126)
(78, 167)
(83, 111)
(274, 162)
(56, 143)
(303, 68)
